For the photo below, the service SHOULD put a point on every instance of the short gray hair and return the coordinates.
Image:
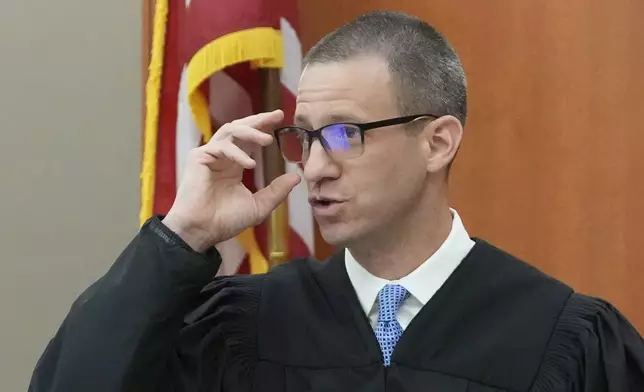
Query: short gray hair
(427, 73)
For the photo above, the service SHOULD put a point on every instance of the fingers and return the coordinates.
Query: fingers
(262, 121)
(276, 192)
(243, 133)
(229, 150)
(236, 143)
(235, 140)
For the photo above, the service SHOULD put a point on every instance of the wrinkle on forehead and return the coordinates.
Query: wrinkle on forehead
(358, 88)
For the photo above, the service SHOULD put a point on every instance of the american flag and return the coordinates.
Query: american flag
(203, 73)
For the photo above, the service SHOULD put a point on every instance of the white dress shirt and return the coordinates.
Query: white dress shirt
(422, 283)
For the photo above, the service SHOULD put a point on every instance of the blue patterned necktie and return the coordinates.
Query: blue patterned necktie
(388, 330)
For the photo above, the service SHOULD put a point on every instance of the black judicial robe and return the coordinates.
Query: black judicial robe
(158, 321)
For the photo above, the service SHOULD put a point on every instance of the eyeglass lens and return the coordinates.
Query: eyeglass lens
(341, 141)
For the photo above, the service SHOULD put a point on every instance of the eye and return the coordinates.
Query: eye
(341, 131)
(350, 131)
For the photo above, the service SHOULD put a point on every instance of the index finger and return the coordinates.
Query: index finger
(264, 122)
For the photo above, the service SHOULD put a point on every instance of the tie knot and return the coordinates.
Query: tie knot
(390, 298)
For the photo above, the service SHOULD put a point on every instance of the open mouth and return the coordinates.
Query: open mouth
(323, 202)
(325, 207)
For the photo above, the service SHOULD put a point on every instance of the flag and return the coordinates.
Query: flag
(203, 73)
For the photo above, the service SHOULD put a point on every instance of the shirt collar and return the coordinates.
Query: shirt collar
(424, 281)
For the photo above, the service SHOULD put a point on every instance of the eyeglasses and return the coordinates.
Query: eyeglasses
(340, 140)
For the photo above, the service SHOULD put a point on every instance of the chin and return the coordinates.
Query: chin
(340, 235)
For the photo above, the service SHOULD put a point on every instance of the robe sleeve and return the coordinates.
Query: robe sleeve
(125, 332)
(593, 348)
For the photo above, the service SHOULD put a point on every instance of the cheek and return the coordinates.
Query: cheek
(388, 184)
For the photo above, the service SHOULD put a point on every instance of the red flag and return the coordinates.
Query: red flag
(203, 74)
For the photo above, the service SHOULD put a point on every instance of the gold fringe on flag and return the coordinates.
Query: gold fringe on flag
(152, 97)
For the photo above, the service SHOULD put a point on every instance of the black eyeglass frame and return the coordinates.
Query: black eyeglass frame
(362, 127)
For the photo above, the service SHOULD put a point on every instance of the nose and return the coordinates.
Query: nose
(319, 165)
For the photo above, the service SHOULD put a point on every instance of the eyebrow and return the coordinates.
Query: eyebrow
(337, 118)
(302, 121)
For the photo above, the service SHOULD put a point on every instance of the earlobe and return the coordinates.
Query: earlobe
(444, 140)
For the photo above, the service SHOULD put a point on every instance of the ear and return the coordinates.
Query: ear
(444, 138)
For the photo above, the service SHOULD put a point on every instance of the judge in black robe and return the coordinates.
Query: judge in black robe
(157, 321)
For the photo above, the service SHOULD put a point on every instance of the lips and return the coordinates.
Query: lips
(323, 201)
(325, 206)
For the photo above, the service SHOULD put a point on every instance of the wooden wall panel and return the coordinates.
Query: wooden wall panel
(551, 167)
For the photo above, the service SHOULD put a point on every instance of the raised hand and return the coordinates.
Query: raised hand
(212, 205)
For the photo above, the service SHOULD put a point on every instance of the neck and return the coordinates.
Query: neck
(404, 245)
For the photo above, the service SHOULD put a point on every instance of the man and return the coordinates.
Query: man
(411, 304)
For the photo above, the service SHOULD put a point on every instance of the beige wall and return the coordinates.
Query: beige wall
(69, 161)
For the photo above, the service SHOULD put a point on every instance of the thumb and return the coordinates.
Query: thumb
(276, 192)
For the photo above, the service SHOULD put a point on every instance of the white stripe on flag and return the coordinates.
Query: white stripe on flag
(187, 134)
(228, 99)
(292, 70)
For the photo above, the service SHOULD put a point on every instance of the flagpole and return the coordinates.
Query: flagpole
(274, 166)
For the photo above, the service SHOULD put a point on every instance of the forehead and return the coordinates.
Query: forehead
(358, 89)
